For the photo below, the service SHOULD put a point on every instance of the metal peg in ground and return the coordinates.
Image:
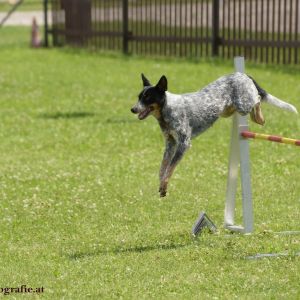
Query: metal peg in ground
(202, 222)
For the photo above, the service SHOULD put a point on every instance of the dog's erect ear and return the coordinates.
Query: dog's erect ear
(146, 82)
(162, 84)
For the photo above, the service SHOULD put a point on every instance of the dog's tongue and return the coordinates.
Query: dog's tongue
(142, 115)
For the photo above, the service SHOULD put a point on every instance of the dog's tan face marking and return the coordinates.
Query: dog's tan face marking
(155, 110)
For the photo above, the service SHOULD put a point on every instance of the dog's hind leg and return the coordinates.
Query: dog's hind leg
(228, 111)
(256, 114)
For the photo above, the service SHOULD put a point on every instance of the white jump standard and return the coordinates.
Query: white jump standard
(239, 157)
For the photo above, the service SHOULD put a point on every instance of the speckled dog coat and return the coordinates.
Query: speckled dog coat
(183, 117)
(193, 113)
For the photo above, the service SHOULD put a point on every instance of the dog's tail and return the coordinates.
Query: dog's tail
(279, 103)
(266, 97)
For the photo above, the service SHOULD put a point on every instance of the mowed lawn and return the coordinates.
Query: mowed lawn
(80, 212)
(27, 5)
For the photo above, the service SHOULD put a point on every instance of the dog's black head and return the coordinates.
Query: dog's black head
(151, 98)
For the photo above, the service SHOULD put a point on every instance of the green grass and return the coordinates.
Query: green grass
(80, 213)
(27, 5)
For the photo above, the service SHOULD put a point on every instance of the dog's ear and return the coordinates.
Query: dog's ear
(146, 82)
(162, 84)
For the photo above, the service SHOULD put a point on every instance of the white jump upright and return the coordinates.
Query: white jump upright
(239, 157)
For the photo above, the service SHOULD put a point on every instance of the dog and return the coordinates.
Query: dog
(183, 117)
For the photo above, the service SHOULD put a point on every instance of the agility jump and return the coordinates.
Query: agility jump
(268, 137)
(239, 159)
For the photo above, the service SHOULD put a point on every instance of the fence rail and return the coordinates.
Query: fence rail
(261, 30)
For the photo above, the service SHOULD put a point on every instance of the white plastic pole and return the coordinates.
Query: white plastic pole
(233, 171)
(239, 155)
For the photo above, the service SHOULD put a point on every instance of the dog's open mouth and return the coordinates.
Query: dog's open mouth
(144, 114)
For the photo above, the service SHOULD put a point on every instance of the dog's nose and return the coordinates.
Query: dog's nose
(133, 110)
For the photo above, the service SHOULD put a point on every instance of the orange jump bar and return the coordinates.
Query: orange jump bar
(268, 137)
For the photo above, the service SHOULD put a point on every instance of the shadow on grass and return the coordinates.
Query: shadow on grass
(171, 245)
(67, 115)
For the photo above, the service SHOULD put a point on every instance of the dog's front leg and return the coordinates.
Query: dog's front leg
(181, 146)
(168, 154)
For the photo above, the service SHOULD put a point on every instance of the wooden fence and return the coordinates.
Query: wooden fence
(261, 30)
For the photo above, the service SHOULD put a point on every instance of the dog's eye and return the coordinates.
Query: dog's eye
(148, 98)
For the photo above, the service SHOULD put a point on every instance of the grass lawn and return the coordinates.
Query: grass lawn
(27, 5)
(80, 212)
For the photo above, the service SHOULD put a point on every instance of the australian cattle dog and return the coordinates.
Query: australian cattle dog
(183, 117)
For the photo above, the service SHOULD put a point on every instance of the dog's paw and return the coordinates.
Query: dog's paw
(162, 191)
(162, 194)
(163, 188)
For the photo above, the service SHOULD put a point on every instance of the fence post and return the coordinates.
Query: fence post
(125, 26)
(46, 30)
(215, 27)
